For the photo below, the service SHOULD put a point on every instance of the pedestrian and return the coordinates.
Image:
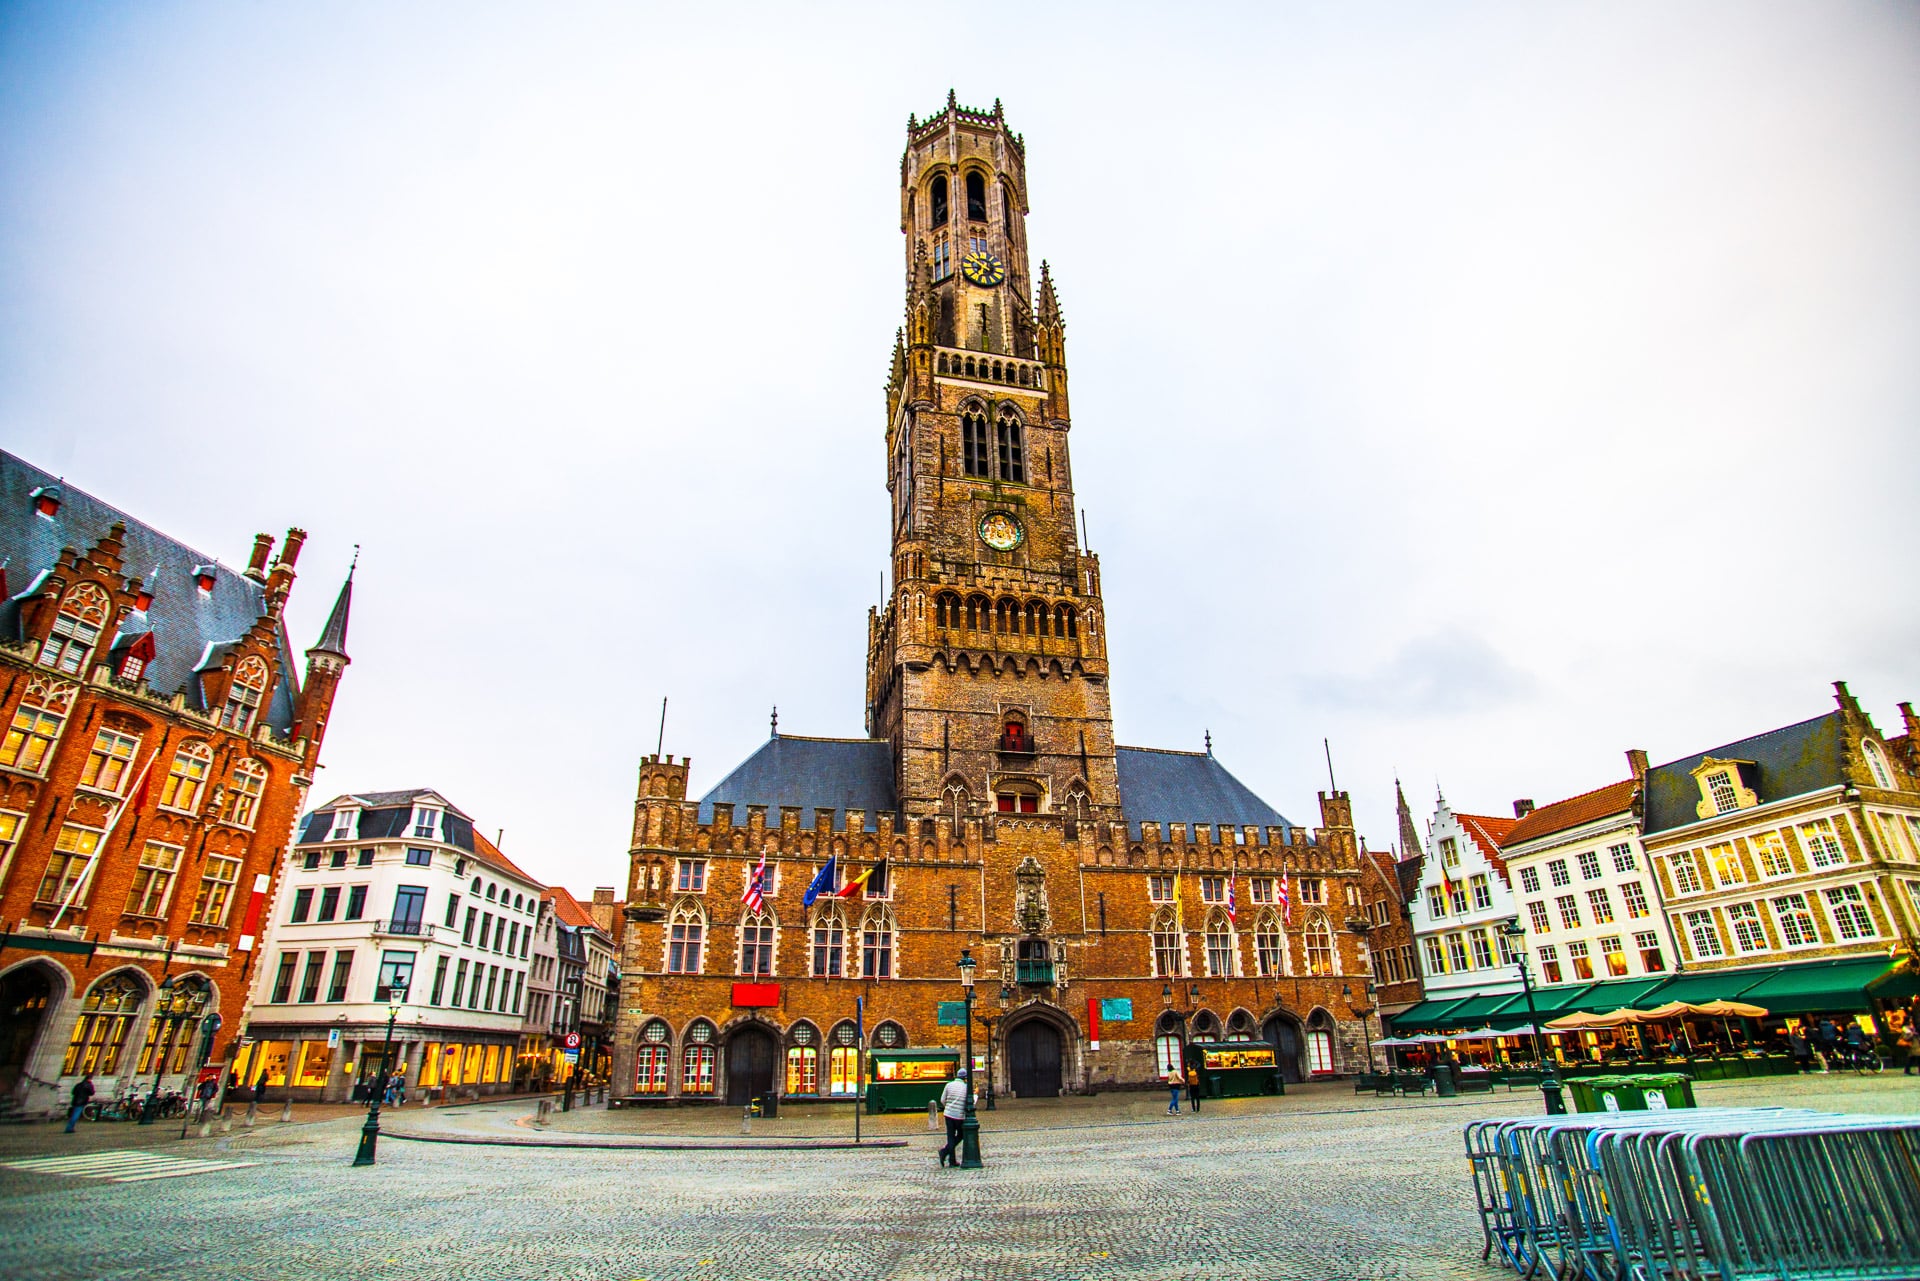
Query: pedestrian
(208, 1088)
(1798, 1047)
(1907, 1044)
(1176, 1081)
(1193, 1089)
(1826, 1042)
(953, 1106)
(82, 1095)
(398, 1088)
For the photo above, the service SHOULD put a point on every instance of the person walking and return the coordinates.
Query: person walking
(1798, 1047)
(1176, 1081)
(77, 1102)
(1193, 1089)
(1907, 1044)
(953, 1106)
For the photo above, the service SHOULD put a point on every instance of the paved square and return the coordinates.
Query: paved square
(1320, 1184)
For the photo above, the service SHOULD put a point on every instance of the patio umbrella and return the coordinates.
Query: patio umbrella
(1731, 1009)
(1576, 1022)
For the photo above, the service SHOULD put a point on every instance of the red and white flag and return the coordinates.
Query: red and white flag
(1285, 898)
(754, 895)
(1233, 903)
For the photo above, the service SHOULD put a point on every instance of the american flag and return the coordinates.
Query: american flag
(756, 885)
(1233, 903)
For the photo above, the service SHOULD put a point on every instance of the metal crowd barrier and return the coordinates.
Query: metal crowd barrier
(1706, 1194)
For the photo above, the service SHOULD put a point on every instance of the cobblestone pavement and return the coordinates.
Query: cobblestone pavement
(1318, 1185)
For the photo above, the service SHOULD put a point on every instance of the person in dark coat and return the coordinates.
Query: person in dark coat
(77, 1102)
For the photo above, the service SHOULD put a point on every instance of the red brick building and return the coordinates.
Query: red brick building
(1118, 901)
(157, 753)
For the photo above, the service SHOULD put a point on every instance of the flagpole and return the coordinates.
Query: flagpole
(106, 838)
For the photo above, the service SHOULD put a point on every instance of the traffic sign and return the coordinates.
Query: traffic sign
(572, 1041)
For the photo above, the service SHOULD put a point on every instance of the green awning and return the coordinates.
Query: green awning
(1611, 995)
(1478, 1008)
(1823, 985)
(1701, 986)
(1553, 1001)
(1427, 1015)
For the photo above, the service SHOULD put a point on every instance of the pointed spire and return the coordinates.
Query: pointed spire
(1409, 833)
(1049, 300)
(952, 101)
(333, 638)
(774, 729)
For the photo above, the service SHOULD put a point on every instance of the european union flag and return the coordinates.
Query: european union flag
(822, 883)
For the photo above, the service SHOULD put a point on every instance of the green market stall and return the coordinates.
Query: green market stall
(908, 1080)
(1234, 1069)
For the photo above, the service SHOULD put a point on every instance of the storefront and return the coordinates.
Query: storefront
(1234, 1069)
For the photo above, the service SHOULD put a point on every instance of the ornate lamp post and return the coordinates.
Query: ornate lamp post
(969, 1128)
(163, 1014)
(370, 1132)
(1549, 1084)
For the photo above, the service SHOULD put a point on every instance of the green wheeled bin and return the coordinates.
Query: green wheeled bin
(1608, 1094)
(1662, 1090)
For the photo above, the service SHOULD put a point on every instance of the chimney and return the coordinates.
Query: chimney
(603, 894)
(290, 550)
(1522, 808)
(1908, 719)
(257, 564)
(1637, 762)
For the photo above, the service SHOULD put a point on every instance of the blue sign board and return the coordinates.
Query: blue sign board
(952, 1014)
(1116, 1009)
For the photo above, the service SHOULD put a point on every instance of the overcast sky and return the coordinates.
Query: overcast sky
(1486, 388)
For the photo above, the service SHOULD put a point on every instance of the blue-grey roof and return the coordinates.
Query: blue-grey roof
(1790, 761)
(812, 773)
(1186, 787)
(185, 621)
(384, 816)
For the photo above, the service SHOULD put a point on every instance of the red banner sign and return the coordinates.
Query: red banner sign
(755, 996)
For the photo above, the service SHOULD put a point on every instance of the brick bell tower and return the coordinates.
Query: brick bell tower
(987, 667)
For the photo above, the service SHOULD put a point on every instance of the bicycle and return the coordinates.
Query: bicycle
(124, 1108)
(1862, 1059)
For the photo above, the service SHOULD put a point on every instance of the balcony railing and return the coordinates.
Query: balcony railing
(1033, 973)
(400, 927)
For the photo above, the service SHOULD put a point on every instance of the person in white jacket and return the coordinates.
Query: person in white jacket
(953, 1106)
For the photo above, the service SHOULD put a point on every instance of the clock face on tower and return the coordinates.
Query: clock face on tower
(1000, 531)
(982, 268)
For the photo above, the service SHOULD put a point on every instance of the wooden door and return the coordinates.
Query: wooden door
(1033, 1060)
(750, 1063)
(1285, 1039)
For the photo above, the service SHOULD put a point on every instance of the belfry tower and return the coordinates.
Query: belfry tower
(987, 667)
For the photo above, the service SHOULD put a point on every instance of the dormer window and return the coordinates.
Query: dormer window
(1876, 764)
(46, 501)
(1723, 787)
(76, 629)
(204, 577)
(243, 695)
(346, 825)
(426, 823)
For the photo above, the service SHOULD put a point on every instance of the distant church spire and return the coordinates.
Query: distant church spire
(1409, 833)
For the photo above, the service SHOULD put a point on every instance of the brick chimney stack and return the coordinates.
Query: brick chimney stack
(1522, 808)
(1637, 761)
(257, 563)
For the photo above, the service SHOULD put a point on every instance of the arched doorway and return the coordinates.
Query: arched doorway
(750, 1062)
(1033, 1060)
(1284, 1035)
(25, 996)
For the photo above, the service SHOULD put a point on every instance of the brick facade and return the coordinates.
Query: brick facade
(158, 753)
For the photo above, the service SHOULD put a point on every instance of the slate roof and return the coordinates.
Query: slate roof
(1487, 832)
(1158, 786)
(1575, 811)
(384, 816)
(845, 773)
(1790, 761)
(1410, 869)
(186, 623)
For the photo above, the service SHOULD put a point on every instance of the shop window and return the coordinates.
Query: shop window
(696, 1061)
(843, 1061)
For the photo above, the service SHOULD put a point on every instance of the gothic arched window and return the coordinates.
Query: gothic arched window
(1036, 618)
(696, 1061)
(843, 1060)
(1064, 622)
(829, 943)
(653, 1058)
(684, 935)
(979, 614)
(249, 780)
(946, 608)
(939, 200)
(756, 945)
(876, 944)
(36, 724)
(1269, 945)
(1167, 948)
(803, 1059)
(1013, 461)
(243, 695)
(973, 440)
(83, 612)
(1222, 952)
(186, 777)
(1006, 213)
(954, 800)
(1319, 939)
(174, 1026)
(976, 196)
(105, 1017)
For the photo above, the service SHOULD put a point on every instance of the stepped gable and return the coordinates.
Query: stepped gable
(190, 628)
(1161, 786)
(1487, 832)
(810, 773)
(1614, 798)
(1789, 761)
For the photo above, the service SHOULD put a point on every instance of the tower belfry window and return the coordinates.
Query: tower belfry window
(976, 197)
(973, 437)
(1013, 465)
(940, 201)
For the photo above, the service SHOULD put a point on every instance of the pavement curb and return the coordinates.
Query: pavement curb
(767, 1145)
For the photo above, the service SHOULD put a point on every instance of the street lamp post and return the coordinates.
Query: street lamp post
(162, 1014)
(370, 1132)
(969, 1128)
(993, 1094)
(1365, 1012)
(209, 1027)
(1549, 1084)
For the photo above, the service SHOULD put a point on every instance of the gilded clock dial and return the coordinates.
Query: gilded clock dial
(982, 268)
(1000, 531)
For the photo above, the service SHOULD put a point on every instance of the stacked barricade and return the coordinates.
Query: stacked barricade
(1721, 1194)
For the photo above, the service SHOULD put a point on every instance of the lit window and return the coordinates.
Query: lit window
(244, 789)
(1577, 955)
(1550, 965)
(1650, 959)
(1616, 956)
(843, 1061)
(696, 1061)
(75, 629)
(1748, 934)
(1726, 864)
(243, 695)
(36, 724)
(101, 1032)
(1602, 905)
(1569, 911)
(1636, 899)
(1822, 846)
(107, 763)
(186, 777)
(1771, 853)
(1537, 913)
(10, 825)
(1319, 947)
(1720, 788)
(803, 1062)
(1795, 919)
(216, 890)
(73, 852)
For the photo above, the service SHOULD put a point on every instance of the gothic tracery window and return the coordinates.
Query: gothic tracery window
(186, 777)
(1222, 953)
(1167, 948)
(653, 1058)
(756, 945)
(1013, 463)
(876, 944)
(83, 612)
(684, 936)
(243, 792)
(36, 724)
(696, 1061)
(243, 695)
(1269, 945)
(1319, 940)
(973, 440)
(829, 943)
